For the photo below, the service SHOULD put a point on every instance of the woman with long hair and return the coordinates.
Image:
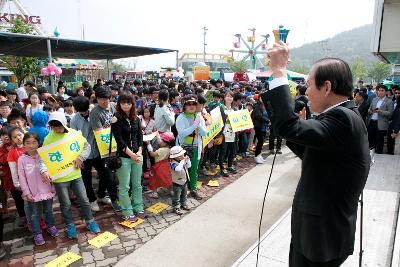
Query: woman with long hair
(229, 142)
(128, 134)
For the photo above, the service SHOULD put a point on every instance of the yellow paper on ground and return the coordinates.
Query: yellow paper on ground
(199, 184)
(131, 224)
(59, 156)
(64, 260)
(213, 183)
(103, 141)
(102, 239)
(213, 129)
(158, 207)
(240, 120)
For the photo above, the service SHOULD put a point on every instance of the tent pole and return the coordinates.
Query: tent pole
(177, 58)
(108, 69)
(52, 91)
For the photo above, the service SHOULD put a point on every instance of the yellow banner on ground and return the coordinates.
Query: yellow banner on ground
(102, 239)
(59, 156)
(158, 207)
(240, 120)
(214, 128)
(103, 141)
(64, 260)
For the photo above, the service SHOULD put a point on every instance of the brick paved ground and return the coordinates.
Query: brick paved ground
(22, 252)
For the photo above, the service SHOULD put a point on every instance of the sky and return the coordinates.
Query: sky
(178, 24)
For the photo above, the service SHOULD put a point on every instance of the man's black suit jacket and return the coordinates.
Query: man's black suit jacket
(335, 165)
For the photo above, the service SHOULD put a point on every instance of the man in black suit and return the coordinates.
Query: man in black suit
(335, 159)
(361, 100)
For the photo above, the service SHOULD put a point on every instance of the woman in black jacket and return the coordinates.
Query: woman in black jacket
(128, 134)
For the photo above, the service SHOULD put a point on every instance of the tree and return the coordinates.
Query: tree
(114, 66)
(300, 66)
(379, 71)
(359, 69)
(22, 67)
(238, 66)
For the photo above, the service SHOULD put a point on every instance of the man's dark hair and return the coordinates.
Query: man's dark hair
(302, 89)
(6, 104)
(382, 86)
(59, 87)
(199, 91)
(237, 96)
(337, 72)
(249, 88)
(42, 90)
(81, 103)
(68, 103)
(363, 95)
(86, 84)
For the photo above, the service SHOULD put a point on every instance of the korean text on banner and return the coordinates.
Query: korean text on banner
(240, 120)
(103, 141)
(59, 156)
(215, 127)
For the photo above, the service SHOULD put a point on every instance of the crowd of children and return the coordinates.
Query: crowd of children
(177, 111)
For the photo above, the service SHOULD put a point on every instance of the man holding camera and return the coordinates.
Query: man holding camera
(335, 158)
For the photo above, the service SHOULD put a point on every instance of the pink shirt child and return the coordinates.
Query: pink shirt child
(31, 180)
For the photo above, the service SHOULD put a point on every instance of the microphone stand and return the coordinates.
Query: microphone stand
(361, 229)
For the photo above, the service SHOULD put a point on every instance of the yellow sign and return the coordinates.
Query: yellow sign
(292, 87)
(131, 224)
(64, 260)
(158, 207)
(103, 141)
(213, 130)
(199, 184)
(240, 120)
(59, 156)
(213, 183)
(102, 239)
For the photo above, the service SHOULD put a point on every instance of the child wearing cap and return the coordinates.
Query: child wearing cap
(160, 172)
(180, 163)
(73, 179)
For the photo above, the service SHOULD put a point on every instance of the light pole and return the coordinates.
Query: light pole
(204, 43)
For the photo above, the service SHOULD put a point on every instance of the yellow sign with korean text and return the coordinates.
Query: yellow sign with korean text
(64, 260)
(240, 120)
(214, 129)
(131, 224)
(158, 207)
(213, 183)
(102, 239)
(103, 141)
(60, 156)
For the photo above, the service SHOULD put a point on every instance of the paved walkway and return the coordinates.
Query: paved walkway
(22, 252)
(381, 200)
(221, 229)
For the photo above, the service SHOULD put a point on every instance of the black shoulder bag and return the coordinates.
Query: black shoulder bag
(112, 162)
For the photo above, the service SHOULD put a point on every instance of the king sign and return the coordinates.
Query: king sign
(7, 18)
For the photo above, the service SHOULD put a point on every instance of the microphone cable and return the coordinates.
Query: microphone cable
(262, 209)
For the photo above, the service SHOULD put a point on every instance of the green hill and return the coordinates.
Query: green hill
(351, 46)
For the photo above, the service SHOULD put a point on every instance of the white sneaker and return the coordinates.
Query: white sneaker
(104, 200)
(259, 159)
(94, 206)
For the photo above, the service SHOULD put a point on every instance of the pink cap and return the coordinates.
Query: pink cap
(167, 136)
